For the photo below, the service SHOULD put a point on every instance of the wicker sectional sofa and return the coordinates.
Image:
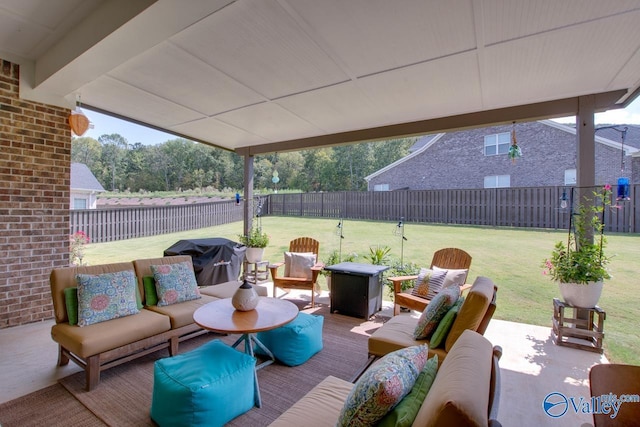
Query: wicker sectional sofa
(102, 345)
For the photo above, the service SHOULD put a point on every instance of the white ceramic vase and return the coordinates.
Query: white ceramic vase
(246, 298)
(254, 255)
(581, 295)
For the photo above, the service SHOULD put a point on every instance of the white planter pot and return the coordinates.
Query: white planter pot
(580, 295)
(254, 255)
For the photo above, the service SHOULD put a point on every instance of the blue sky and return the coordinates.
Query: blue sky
(133, 133)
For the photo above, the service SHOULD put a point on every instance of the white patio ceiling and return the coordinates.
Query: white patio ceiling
(272, 75)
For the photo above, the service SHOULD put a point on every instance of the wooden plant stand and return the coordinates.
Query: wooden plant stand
(585, 330)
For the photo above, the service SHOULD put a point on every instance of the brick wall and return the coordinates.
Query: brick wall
(457, 161)
(35, 143)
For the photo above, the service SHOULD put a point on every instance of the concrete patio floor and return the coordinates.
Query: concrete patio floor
(532, 367)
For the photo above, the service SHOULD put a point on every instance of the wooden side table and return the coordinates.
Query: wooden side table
(257, 273)
(582, 331)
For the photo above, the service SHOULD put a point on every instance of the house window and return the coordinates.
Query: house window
(497, 181)
(570, 177)
(497, 143)
(79, 203)
(381, 187)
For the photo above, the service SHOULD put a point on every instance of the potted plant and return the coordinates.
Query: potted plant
(580, 265)
(255, 242)
(334, 258)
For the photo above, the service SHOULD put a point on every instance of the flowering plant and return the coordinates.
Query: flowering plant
(78, 241)
(582, 259)
(255, 239)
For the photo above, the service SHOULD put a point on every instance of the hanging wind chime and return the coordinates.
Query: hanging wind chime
(514, 151)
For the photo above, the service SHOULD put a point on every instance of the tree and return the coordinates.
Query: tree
(85, 150)
(114, 149)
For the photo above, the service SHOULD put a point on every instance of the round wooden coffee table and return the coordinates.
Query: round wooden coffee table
(270, 313)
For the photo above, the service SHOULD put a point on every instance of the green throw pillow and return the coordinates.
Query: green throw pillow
(434, 312)
(407, 410)
(440, 335)
(71, 302)
(150, 294)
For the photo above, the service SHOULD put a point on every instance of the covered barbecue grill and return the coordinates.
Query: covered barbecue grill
(215, 260)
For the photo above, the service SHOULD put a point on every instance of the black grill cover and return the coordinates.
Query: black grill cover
(215, 260)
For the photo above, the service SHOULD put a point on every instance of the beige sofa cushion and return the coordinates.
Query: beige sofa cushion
(459, 395)
(103, 336)
(472, 311)
(318, 408)
(397, 333)
(181, 314)
(227, 289)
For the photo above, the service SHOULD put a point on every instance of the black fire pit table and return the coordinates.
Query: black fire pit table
(356, 289)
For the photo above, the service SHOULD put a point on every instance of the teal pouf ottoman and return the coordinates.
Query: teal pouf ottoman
(208, 386)
(295, 343)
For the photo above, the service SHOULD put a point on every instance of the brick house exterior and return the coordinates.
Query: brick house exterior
(35, 143)
(456, 160)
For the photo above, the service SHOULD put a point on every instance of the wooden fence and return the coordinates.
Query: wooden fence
(107, 225)
(537, 207)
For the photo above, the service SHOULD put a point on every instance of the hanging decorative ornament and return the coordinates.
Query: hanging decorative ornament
(78, 122)
(514, 151)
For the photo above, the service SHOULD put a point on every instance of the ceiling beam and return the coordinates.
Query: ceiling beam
(529, 112)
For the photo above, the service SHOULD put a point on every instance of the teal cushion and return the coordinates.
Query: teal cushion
(294, 343)
(407, 410)
(208, 386)
(434, 312)
(440, 335)
(106, 296)
(383, 386)
(175, 283)
(150, 294)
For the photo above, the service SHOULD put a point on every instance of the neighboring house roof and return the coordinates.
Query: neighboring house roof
(632, 138)
(82, 179)
(421, 142)
(427, 141)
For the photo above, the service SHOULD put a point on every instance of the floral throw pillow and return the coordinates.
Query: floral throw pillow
(435, 311)
(106, 296)
(383, 386)
(175, 283)
(429, 283)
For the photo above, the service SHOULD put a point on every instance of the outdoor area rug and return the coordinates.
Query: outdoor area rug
(52, 406)
(123, 397)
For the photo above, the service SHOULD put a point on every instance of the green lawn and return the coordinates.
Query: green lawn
(510, 257)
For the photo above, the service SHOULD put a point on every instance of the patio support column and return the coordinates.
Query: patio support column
(248, 193)
(585, 167)
(586, 153)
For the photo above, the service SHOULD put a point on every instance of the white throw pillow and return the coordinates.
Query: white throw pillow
(453, 276)
(298, 264)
